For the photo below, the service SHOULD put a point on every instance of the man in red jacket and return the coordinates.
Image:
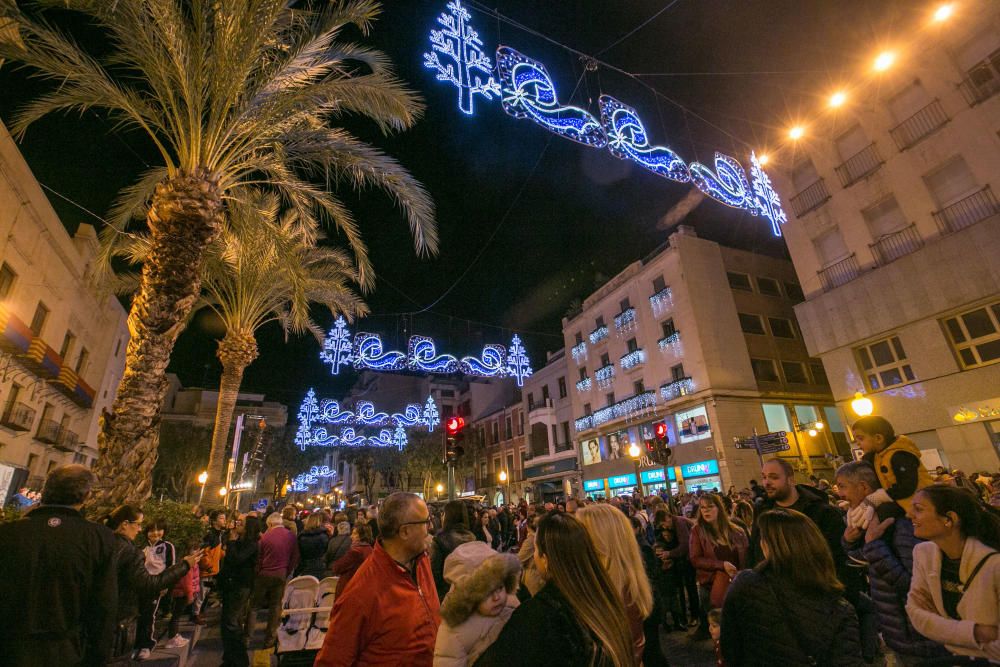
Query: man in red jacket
(388, 614)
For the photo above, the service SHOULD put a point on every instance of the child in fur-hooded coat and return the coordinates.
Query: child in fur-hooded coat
(480, 602)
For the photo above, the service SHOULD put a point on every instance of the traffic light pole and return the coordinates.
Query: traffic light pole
(451, 480)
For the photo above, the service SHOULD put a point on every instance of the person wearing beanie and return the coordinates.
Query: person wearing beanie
(478, 604)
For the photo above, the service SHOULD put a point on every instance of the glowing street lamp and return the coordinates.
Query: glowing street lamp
(763, 158)
(635, 453)
(862, 405)
(503, 480)
(796, 133)
(439, 488)
(944, 12)
(837, 99)
(884, 61)
(202, 478)
(223, 491)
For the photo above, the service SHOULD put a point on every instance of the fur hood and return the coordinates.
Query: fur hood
(472, 585)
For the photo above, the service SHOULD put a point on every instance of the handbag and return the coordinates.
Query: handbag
(720, 584)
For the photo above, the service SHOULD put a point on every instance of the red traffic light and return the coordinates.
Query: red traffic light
(661, 431)
(454, 425)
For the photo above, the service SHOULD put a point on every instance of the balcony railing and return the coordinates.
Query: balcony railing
(968, 211)
(920, 125)
(605, 375)
(977, 92)
(632, 360)
(810, 199)
(539, 405)
(861, 164)
(671, 342)
(18, 417)
(635, 404)
(625, 320)
(579, 352)
(598, 334)
(584, 385)
(677, 388)
(563, 446)
(890, 247)
(840, 273)
(49, 431)
(661, 301)
(68, 440)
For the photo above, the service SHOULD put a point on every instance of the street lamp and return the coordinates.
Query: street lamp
(202, 478)
(503, 480)
(635, 452)
(862, 405)
(439, 488)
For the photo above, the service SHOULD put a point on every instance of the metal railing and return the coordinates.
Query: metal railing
(18, 417)
(840, 273)
(890, 247)
(919, 125)
(49, 431)
(538, 405)
(564, 446)
(810, 199)
(68, 440)
(864, 162)
(968, 211)
(977, 92)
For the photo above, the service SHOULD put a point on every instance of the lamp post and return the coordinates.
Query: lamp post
(202, 478)
(222, 495)
(439, 488)
(862, 405)
(635, 452)
(503, 480)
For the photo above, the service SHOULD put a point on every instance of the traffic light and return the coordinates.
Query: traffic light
(658, 449)
(661, 432)
(453, 436)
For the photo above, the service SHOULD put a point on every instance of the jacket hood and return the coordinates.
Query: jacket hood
(812, 495)
(471, 585)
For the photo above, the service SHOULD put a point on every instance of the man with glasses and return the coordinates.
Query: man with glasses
(388, 613)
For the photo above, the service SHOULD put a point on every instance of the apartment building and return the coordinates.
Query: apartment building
(703, 338)
(895, 235)
(62, 337)
(551, 466)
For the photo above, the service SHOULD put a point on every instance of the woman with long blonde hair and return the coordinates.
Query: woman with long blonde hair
(577, 618)
(618, 550)
(718, 550)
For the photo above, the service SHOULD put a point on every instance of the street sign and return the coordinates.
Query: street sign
(774, 448)
(762, 440)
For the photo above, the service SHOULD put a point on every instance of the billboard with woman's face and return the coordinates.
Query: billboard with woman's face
(591, 451)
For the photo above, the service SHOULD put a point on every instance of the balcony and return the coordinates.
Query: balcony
(810, 199)
(633, 406)
(979, 89)
(920, 125)
(68, 440)
(579, 352)
(544, 404)
(632, 360)
(677, 388)
(968, 211)
(840, 273)
(625, 321)
(18, 417)
(890, 247)
(49, 431)
(605, 375)
(584, 385)
(598, 334)
(671, 342)
(861, 164)
(564, 446)
(662, 301)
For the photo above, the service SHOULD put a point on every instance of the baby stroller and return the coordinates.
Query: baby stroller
(305, 617)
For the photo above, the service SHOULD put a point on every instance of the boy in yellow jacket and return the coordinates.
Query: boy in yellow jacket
(896, 460)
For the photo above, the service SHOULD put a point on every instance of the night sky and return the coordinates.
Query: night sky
(563, 217)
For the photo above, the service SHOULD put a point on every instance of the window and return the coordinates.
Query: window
(975, 335)
(565, 433)
(583, 373)
(739, 281)
(7, 277)
(768, 286)
(579, 337)
(447, 393)
(794, 292)
(852, 142)
(884, 363)
(624, 304)
(483, 472)
(830, 247)
(610, 398)
(781, 328)
(531, 401)
(912, 99)
(599, 322)
(659, 284)
(804, 174)
(524, 457)
(562, 387)
(496, 465)
(677, 372)
(638, 387)
(818, 372)
(510, 466)
(668, 328)
(79, 458)
(631, 345)
(67, 345)
(795, 372)
(32, 460)
(951, 182)
(553, 441)
(38, 321)
(447, 410)
(605, 360)
(545, 394)
(495, 430)
(884, 217)
(520, 423)
(508, 430)
(751, 324)
(465, 409)
(764, 370)
(586, 409)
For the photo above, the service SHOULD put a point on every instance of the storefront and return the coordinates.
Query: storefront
(595, 488)
(654, 481)
(622, 485)
(700, 476)
(551, 481)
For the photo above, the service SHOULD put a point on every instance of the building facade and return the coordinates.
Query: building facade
(895, 236)
(62, 337)
(552, 465)
(703, 338)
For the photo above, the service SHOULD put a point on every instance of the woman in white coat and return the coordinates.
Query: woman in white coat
(956, 574)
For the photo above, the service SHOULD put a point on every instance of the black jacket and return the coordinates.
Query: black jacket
(58, 589)
(135, 581)
(543, 631)
(312, 552)
(336, 548)
(441, 547)
(239, 566)
(765, 622)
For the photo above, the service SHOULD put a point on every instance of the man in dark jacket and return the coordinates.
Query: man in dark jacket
(455, 532)
(58, 590)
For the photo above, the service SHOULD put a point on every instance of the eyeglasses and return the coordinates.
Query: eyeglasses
(427, 522)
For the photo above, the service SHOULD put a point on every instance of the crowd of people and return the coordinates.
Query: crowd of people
(887, 563)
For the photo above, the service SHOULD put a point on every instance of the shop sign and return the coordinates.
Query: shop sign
(562, 465)
(972, 412)
(653, 476)
(619, 481)
(593, 484)
(700, 469)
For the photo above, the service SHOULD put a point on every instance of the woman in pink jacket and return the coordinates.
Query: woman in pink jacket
(718, 550)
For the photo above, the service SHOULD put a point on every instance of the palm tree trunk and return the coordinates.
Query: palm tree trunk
(184, 217)
(236, 351)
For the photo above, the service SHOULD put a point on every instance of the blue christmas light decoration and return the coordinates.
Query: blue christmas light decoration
(422, 356)
(466, 66)
(308, 412)
(584, 385)
(625, 321)
(491, 364)
(382, 439)
(633, 359)
(518, 366)
(430, 415)
(728, 184)
(528, 92)
(399, 438)
(369, 354)
(598, 334)
(410, 416)
(579, 352)
(365, 415)
(303, 481)
(331, 413)
(337, 346)
(661, 301)
(605, 375)
(768, 201)
(627, 140)
(638, 404)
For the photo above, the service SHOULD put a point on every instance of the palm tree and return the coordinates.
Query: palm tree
(231, 94)
(261, 268)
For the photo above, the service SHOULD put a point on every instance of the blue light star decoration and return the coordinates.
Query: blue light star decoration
(430, 416)
(337, 347)
(768, 201)
(518, 365)
(627, 140)
(465, 66)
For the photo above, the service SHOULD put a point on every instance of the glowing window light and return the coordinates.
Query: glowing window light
(672, 341)
(625, 320)
(944, 12)
(629, 407)
(837, 99)
(884, 61)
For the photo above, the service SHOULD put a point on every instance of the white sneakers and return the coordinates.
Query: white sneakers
(143, 654)
(176, 641)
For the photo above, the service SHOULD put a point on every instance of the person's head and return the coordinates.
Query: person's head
(566, 557)
(939, 512)
(572, 506)
(274, 520)
(217, 519)
(156, 530)
(126, 521)
(343, 528)
(743, 511)
(288, 513)
(481, 581)
(403, 523)
(313, 522)
(251, 529)
(339, 517)
(609, 530)
(715, 623)
(856, 480)
(753, 484)
(940, 470)
(714, 519)
(779, 479)
(795, 551)
(873, 433)
(455, 515)
(68, 485)
(362, 534)
(549, 507)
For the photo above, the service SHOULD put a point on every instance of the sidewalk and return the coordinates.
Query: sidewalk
(681, 651)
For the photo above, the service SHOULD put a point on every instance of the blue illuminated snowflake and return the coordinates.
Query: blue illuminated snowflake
(518, 365)
(470, 70)
(768, 201)
(430, 417)
(337, 347)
